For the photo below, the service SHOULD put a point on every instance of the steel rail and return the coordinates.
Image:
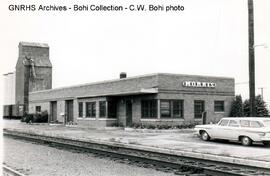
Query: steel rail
(8, 171)
(144, 157)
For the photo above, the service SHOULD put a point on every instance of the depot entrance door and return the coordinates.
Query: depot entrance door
(198, 109)
(69, 110)
(53, 111)
(128, 113)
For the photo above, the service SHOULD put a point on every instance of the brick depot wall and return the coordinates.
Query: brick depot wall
(175, 83)
(45, 106)
(136, 108)
(88, 122)
(209, 105)
(169, 87)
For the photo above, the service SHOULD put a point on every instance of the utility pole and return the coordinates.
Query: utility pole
(251, 59)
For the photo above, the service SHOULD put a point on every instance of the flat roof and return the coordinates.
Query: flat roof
(129, 78)
(9, 73)
(34, 44)
(139, 85)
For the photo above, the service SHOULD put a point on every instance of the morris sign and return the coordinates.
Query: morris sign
(199, 84)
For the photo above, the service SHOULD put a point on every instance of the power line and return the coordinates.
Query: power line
(242, 83)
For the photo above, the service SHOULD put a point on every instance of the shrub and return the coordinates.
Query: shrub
(136, 125)
(35, 118)
(28, 118)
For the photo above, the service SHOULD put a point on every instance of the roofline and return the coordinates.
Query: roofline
(34, 44)
(139, 92)
(128, 78)
(95, 83)
(246, 118)
(9, 73)
(202, 76)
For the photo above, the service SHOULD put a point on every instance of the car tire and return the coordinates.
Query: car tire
(266, 144)
(205, 136)
(246, 141)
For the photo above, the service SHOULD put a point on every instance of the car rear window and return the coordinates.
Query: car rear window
(255, 124)
(266, 123)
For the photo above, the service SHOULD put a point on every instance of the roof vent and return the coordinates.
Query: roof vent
(123, 75)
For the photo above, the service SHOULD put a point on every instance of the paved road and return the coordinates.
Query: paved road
(39, 160)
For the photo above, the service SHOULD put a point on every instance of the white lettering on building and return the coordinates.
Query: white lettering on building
(199, 84)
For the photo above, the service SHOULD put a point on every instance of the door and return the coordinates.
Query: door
(129, 113)
(198, 109)
(53, 111)
(69, 110)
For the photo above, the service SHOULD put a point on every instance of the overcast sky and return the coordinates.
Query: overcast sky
(210, 37)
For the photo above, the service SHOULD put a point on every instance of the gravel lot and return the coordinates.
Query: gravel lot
(39, 160)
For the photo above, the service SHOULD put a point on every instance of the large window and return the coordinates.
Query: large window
(102, 109)
(80, 109)
(112, 109)
(172, 108)
(149, 108)
(90, 109)
(219, 106)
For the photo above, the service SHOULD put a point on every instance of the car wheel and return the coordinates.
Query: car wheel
(246, 141)
(205, 136)
(266, 144)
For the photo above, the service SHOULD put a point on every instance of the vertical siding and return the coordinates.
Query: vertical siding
(9, 88)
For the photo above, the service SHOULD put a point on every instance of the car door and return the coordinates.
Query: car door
(220, 131)
(233, 130)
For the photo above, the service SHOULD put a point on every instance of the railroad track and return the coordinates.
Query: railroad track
(160, 161)
(8, 171)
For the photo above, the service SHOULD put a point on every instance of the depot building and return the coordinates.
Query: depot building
(156, 99)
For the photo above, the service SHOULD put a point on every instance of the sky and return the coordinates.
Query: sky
(210, 37)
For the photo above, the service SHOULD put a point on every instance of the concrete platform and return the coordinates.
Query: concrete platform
(178, 142)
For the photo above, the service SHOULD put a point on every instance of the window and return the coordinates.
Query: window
(102, 109)
(219, 106)
(165, 110)
(80, 109)
(149, 108)
(90, 109)
(255, 124)
(198, 109)
(266, 123)
(233, 123)
(171, 108)
(112, 109)
(178, 109)
(38, 109)
(224, 122)
(244, 123)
